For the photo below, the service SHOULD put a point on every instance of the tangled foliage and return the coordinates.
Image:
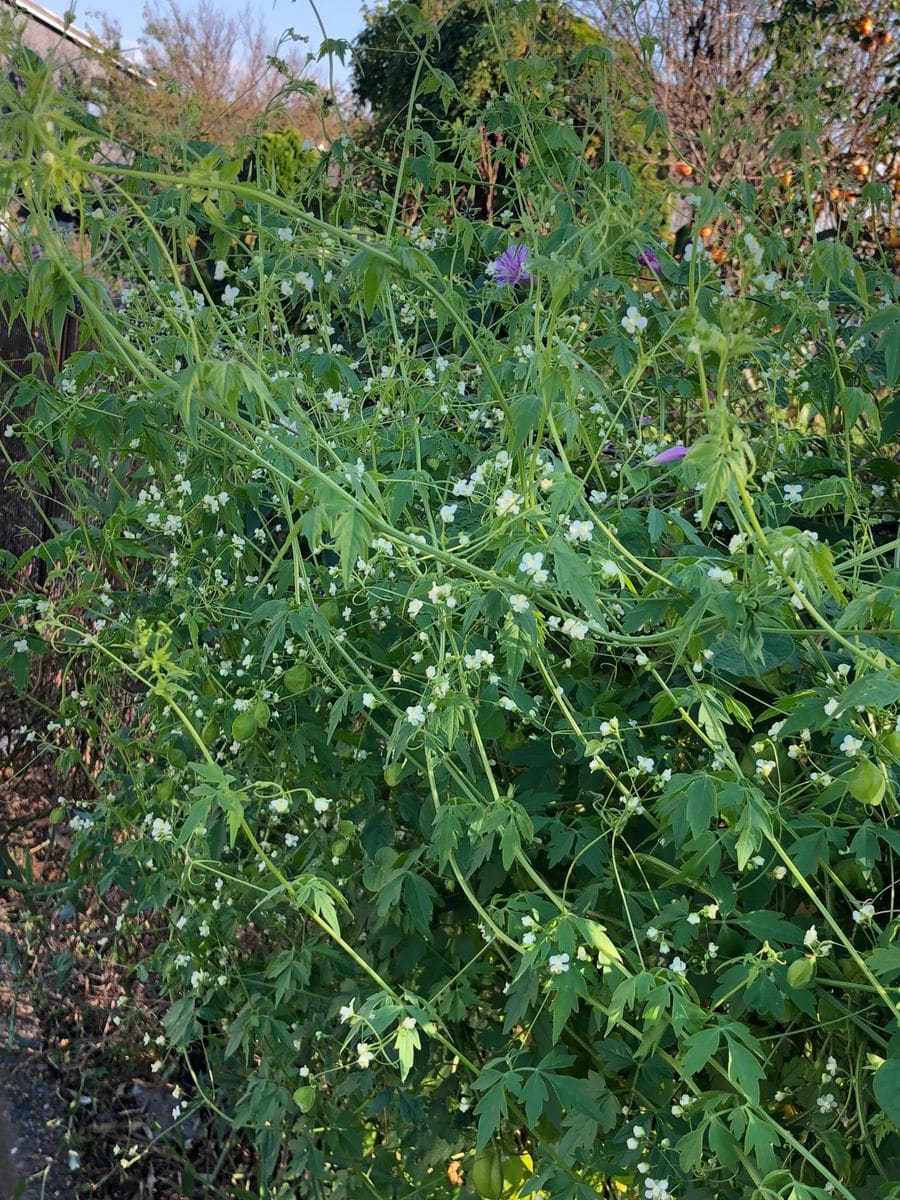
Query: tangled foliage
(495, 673)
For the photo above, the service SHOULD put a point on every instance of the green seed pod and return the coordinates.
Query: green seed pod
(243, 727)
(261, 713)
(296, 679)
(866, 783)
(801, 972)
(486, 1175)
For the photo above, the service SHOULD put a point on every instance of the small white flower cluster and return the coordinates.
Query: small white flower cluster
(532, 565)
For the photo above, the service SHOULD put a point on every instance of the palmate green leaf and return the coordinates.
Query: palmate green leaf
(491, 1109)
(699, 1049)
(352, 539)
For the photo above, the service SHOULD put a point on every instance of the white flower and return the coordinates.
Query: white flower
(529, 563)
(221, 268)
(364, 1054)
(580, 531)
(558, 964)
(678, 966)
(826, 1103)
(633, 321)
(720, 574)
(346, 1011)
(284, 234)
(830, 707)
(527, 939)
(577, 630)
(765, 767)
(693, 919)
(793, 492)
(448, 513)
(415, 714)
(368, 700)
(508, 503)
(645, 764)
(230, 295)
(864, 914)
(811, 937)
(20, 646)
(321, 804)
(712, 949)
(415, 607)
(518, 603)
(609, 570)
(851, 745)
(74, 1160)
(831, 1065)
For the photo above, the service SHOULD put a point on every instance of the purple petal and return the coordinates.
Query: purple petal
(509, 268)
(647, 258)
(671, 455)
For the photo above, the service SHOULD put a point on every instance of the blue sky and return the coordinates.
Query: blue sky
(341, 18)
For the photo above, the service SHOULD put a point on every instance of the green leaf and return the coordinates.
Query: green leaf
(406, 1043)
(525, 418)
(886, 1087)
(885, 962)
(832, 259)
(574, 578)
(699, 1049)
(491, 1110)
(700, 805)
(352, 538)
(534, 1095)
(180, 1023)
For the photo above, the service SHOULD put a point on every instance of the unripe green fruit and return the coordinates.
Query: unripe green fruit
(346, 829)
(165, 789)
(296, 679)
(866, 783)
(494, 1174)
(339, 847)
(210, 733)
(261, 713)
(243, 727)
(801, 973)
(891, 743)
(392, 774)
(176, 757)
(486, 1175)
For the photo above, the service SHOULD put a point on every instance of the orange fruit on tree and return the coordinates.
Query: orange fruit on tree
(685, 170)
(706, 231)
(718, 254)
(883, 37)
(865, 25)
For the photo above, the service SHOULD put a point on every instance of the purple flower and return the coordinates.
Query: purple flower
(647, 258)
(509, 268)
(671, 455)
